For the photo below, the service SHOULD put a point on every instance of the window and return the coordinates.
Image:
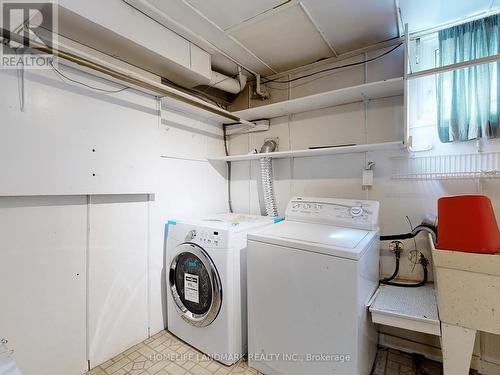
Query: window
(463, 103)
(467, 100)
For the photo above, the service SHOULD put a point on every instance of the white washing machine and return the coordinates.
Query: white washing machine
(206, 303)
(309, 278)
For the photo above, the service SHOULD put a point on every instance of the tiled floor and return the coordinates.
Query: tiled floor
(165, 354)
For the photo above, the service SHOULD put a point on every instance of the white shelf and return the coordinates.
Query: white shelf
(373, 90)
(408, 308)
(315, 152)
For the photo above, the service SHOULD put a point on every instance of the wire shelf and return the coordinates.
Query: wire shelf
(447, 167)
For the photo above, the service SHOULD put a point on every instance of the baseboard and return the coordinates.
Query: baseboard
(434, 353)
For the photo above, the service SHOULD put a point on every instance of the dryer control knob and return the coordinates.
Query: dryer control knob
(191, 235)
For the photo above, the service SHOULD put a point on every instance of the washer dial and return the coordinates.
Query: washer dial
(356, 211)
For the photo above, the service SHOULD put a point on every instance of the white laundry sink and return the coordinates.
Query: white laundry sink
(468, 289)
(468, 296)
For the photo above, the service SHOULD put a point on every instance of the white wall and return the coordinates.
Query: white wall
(81, 256)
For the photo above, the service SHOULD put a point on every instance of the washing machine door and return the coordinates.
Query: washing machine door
(195, 285)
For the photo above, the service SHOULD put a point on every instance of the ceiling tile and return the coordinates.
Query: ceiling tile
(226, 14)
(352, 24)
(284, 39)
(425, 14)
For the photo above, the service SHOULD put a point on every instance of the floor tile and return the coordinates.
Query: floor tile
(164, 354)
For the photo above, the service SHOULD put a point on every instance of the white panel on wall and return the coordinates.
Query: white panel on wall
(118, 262)
(331, 80)
(193, 187)
(241, 176)
(386, 67)
(328, 127)
(385, 119)
(42, 282)
(239, 144)
(74, 140)
(188, 137)
(279, 131)
(336, 176)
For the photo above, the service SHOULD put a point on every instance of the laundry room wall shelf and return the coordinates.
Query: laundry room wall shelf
(414, 309)
(315, 152)
(447, 167)
(346, 95)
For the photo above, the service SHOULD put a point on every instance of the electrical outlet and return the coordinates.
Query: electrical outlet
(367, 178)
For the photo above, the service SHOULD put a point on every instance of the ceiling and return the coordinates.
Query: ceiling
(272, 36)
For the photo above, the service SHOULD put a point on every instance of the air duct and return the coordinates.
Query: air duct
(266, 170)
(228, 84)
(105, 26)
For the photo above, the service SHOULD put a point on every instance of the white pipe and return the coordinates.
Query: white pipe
(258, 90)
(228, 84)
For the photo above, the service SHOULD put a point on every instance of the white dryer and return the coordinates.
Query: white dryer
(206, 286)
(309, 279)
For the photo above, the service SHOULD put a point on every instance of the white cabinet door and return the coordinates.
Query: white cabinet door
(118, 292)
(42, 282)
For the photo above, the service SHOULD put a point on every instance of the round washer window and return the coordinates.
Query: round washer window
(195, 285)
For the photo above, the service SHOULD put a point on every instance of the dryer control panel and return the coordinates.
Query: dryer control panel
(358, 214)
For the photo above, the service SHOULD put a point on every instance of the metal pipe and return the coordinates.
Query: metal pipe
(152, 86)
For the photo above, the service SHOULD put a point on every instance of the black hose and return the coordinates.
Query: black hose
(404, 285)
(424, 262)
(394, 237)
(396, 270)
(432, 229)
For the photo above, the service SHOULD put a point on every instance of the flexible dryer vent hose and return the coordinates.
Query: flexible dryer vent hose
(266, 170)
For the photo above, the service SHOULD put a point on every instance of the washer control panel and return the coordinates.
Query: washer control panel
(349, 213)
(207, 238)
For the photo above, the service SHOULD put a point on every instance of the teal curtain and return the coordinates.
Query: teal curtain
(468, 100)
